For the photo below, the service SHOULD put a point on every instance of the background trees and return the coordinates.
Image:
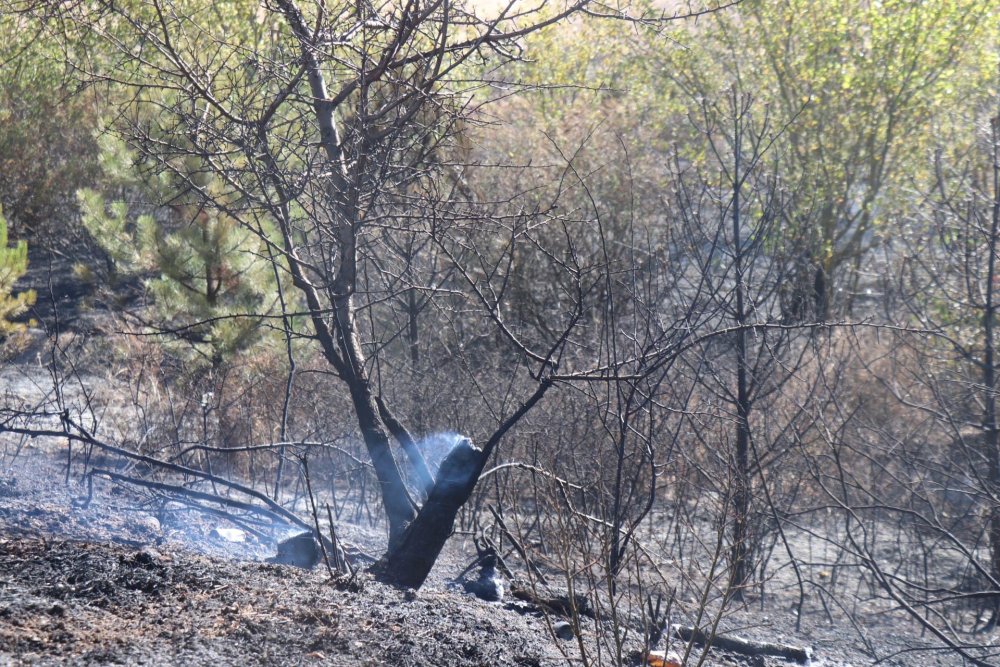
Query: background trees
(209, 280)
(862, 89)
(948, 281)
(592, 262)
(47, 135)
(13, 265)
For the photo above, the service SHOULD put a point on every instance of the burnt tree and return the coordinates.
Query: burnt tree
(334, 131)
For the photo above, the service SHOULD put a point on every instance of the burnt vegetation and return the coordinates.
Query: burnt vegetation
(651, 335)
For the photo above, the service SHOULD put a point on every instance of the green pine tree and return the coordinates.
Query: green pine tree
(13, 265)
(205, 272)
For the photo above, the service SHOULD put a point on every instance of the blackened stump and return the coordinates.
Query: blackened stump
(410, 560)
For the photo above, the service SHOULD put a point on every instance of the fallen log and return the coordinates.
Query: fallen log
(82, 435)
(278, 517)
(743, 646)
(556, 604)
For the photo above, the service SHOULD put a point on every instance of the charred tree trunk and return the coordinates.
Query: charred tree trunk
(399, 507)
(741, 547)
(410, 561)
(418, 465)
(992, 439)
(413, 332)
(821, 292)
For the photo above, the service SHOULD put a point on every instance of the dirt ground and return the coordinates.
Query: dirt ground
(111, 584)
(127, 579)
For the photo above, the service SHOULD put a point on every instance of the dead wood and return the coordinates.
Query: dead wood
(75, 432)
(411, 559)
(518, 547)
(181, 491)
(284, 517)
(741, 645)
(555, 604)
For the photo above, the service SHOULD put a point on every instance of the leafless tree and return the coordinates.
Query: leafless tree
(735, 227)
(951, 281)
(335, 133)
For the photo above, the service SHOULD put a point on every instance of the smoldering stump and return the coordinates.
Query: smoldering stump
(409, 562)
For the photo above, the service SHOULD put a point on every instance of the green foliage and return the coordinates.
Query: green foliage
(860, 94)
(862, 91)
(206, 273)
(46, 132)
(13, 265)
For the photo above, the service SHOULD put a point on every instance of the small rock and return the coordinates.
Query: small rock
(147, 523)
(300, 550)
(563, 630)
(409, 595)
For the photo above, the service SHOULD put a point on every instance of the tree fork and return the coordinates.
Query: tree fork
(409, 563)
(410, 559)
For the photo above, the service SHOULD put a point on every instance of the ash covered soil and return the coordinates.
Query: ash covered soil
(75, 602)
(111, 584)
(134, 578)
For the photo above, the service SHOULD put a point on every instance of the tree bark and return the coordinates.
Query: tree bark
(399, 507)
(409, 563)
(402, 435)
(744, 646)
(742, 546)
(990, 426)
